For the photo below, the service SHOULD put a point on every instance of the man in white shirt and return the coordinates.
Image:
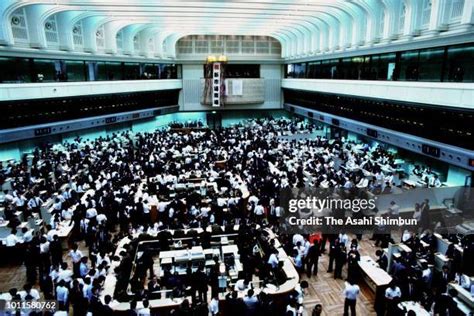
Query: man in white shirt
(273, 260)
(297, 238)
(426, 274)
(393, 292)
(51, 233)
(344, 239)
(392, 295)
(62, 295)
(67, 213)
(34, 204)
(19, 201)
(146, 210)
(434, 182)
(251, 302)
(363, 183)
(29, 293)
(214, 306)
(27, 234)
(8, 197)
(300, 289)
(91, 213)
(278, 212)
(259, 212)
(101, 219)
(379, 179)
(351, 292)
(145, 311)
(57, 205)
(463, 280)
(11, 240)
(389, 179)
(20, 204)
(65, 274)
(394, 209)
(76, 256)
(162, 205)
(241, 285)
(253, 199)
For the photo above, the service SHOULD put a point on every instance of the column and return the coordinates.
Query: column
(66, 41)
(35, 26)
(110, 38)
(438, 17)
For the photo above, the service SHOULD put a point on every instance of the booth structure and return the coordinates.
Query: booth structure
(222, 250)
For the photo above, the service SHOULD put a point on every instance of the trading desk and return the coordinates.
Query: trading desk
(376, 278)
(196, 255)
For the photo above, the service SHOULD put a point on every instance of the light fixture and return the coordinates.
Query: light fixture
(15, 20)
(222, 268)
(222, 58)
(211, 59)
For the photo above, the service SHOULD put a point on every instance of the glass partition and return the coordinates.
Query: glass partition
(383, 66)
(344, 71)
(329, 69)
(460, 63)
(101, 69)
(431, 64)
(151, 71)
(47, 70)
(409, 65)
(75, 70)
(14, 70)
(114, 71)
(445, 63)
(168, 71)
(20, 70)
(314, 70)
(131, 71)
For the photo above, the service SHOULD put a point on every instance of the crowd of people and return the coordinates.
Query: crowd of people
(187, 124)
(104, 187)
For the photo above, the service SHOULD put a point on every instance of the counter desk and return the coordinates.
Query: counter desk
(167, 302)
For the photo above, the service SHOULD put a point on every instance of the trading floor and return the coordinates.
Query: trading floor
(323, 289)
(237, 157)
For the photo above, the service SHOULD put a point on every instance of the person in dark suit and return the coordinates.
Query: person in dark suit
(442, 278)
(154, 286)
(312, 259)
(235, 305)
(353, 258)
(425, 218)
(333, 251)
(382, 260)
(341, 259)
(106, 309)
(411, 290)
(444, 303)
(200, 284)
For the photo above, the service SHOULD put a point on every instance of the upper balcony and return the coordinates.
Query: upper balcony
(436, 93)
(46, 90)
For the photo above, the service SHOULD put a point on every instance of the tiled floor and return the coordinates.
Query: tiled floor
(327, 291)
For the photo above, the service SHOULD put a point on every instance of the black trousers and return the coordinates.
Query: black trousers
(311, 267)
(331, 263)
(201, 295)
(348, 303)
(338, 270)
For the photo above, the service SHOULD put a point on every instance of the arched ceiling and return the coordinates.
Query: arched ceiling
(304, 27)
